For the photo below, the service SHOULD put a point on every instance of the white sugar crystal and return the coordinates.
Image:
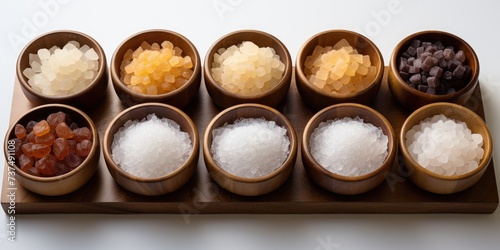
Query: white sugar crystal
(445, 146)
(349, 146)
(43, 54)
(150, 148)
(62, 71)
(250, 147)
(91, 54)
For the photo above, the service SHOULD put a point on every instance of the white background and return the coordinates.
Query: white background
(386, 22)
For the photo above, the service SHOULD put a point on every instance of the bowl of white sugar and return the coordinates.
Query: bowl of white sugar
(446, 147)
(250, 149)
(63, 66)
(348, 148)
(151, 149)
(247, 66)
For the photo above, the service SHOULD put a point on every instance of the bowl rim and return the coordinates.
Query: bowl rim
(207, 66)
(301, 75)
(435, 98)
(484, 162)
(95, 144)
(249, 180)
(100, 71)
(391, 152)
(117, 81)
(108, 140)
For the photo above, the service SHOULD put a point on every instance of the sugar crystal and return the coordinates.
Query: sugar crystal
(250, 147)
(445, 146)
(349, 146)
(150, 148)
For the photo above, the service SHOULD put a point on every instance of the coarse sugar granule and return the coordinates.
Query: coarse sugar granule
(250, 147)
(150, 148)
(445, 146)
(349, 146)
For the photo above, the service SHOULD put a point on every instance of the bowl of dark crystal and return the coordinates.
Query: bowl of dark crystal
(53, 148)
(432, 66)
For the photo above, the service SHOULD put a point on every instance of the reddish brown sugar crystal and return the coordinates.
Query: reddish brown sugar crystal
(46, 139)
(64, 131)
(28, 149)
(46, 165)
(60, 148)
(50, 147)
(41, 150)
(25, 162)
(41, 128)
(20, 131)
(29, 127)
(60, 168)
(54, 119)
(83, 148)
(82, 134)
(73, 160)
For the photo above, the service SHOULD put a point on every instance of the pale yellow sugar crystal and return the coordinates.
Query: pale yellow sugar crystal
(339, 68)
(247, 69)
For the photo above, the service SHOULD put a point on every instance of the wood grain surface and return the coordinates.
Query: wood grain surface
(298, 195)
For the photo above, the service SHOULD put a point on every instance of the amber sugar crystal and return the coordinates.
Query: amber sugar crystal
(155, 69)
(339, 68)
(50, 147)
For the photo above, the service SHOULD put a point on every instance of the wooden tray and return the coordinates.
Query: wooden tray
(298, 195)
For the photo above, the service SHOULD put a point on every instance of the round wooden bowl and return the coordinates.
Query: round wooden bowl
(180, 97)
(429, 180)
(242, 185)
(159, 185)
(88, 97)
(62, 184)
(224, 98)
(341, 184)
(413, 99)
(318, 98)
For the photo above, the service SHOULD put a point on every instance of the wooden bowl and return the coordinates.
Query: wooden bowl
(429, 180)
(318, 98)
(341, 184)
(159, 185)
(413, 99)
(88, 97)
(180, 97)
(62, 184)
(241, 185)
(224, 98)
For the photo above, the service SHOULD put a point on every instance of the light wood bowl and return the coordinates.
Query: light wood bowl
(319, 99)
(159, 185)
(88, 97)
(180, 97)
(413, 99)
(429, 180)
(341, 184)
(224, 98)
(249, 186)
(66, 183)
